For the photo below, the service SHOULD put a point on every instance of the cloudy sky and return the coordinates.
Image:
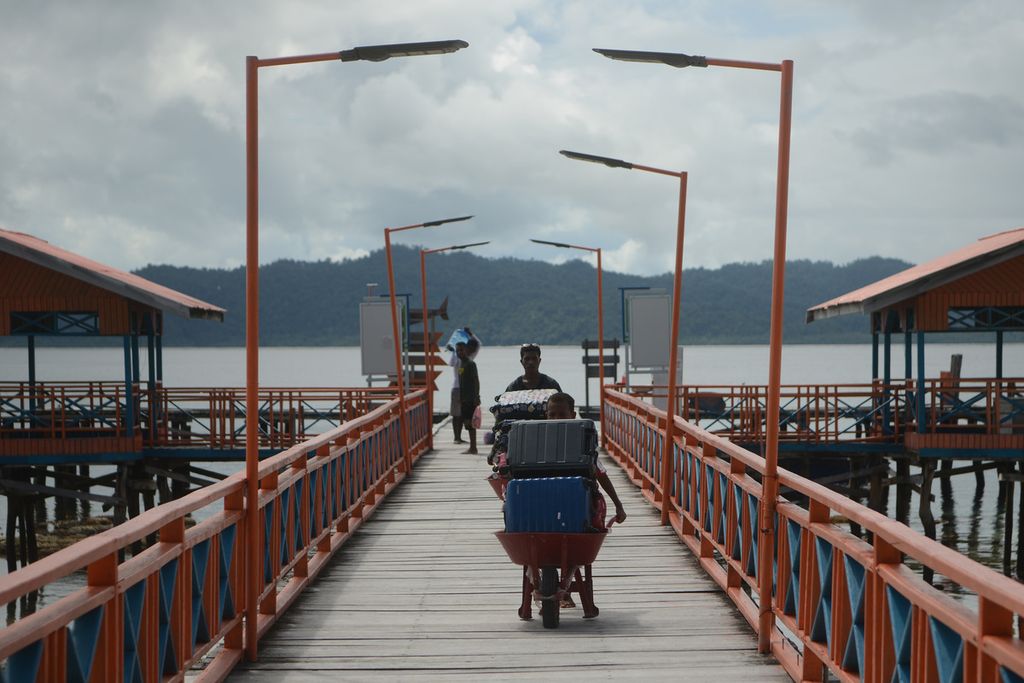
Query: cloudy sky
(122, 127)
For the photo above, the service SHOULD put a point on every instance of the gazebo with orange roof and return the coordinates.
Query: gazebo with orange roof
(46, 291)
(977, 288)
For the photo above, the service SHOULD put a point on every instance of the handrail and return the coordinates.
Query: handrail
(854, 608)
(210, 417)
(158, 613)
(875, 412)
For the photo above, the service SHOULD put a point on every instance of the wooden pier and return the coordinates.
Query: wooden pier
(424, 591)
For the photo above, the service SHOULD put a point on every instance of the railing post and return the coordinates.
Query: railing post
(879, 652)
(994, 620)
(109, 656)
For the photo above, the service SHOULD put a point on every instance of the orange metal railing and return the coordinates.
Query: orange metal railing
(155, 615)
(834, 413)
(215, 417)
(839, 603)
(63, 417)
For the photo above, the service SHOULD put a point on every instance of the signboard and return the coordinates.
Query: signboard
(376, 341)
(649, 316)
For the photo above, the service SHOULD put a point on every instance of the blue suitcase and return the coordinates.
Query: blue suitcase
(553, 504)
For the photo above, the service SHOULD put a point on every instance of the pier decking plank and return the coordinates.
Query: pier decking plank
(425, 591)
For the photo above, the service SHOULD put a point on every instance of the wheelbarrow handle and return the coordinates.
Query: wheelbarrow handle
(608, 524)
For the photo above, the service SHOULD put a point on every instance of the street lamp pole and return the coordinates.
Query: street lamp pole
(770, 480)
(667, 453)
(373, 53)
(403, 423)
(428, 356)
(600, 323)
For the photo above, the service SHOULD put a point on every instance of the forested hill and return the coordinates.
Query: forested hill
(509, 301)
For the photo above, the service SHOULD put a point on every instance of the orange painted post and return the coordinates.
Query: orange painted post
(403, 424)
(600, 344)
(673, 360)
(374, 53)
(427, 355)
(770, 481)
(252, 351)
(665, 477)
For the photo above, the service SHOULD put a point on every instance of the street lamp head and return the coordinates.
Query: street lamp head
(431, 224)
(676, 59)
(553, 244)
(594, 159)
(467, 246)
(378, 53)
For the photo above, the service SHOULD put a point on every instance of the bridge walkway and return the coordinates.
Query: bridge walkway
(424, 591)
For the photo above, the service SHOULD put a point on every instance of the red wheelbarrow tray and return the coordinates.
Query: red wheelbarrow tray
(551, 549)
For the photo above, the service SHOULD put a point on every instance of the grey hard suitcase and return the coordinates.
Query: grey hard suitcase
(547, 448)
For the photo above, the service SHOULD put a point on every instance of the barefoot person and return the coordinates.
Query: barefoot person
(562, 406)
(469, 390)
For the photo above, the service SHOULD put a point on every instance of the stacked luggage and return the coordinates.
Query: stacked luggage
(551, 465)
(510, 406)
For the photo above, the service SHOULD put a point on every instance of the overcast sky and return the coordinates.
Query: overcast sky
(123, 127)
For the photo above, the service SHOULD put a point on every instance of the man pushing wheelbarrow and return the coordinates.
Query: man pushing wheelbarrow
(554, 512)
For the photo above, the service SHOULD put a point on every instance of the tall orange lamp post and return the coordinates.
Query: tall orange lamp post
(373, 53)
(427, 355)
(770, 482)
(403, 423)
(673, 353)
(600, 320)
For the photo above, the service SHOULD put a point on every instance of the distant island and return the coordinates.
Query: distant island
(510, 300)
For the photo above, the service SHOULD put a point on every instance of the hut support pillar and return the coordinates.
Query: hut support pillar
(908, 355)
(887, 376)
(922, 419)
(999, 354)
(129, 400)
(32, 373)
(151, 397)
(874, 351)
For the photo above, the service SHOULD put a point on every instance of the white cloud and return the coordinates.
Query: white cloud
(628, 258)
(124, 127)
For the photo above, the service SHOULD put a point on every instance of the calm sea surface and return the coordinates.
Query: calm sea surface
(973, 526)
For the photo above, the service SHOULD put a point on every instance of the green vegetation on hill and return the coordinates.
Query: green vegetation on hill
(509, 300)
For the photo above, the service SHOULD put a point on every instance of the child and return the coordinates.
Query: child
(469, 389)
(562, 406)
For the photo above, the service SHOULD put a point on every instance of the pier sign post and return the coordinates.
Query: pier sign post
(376, 338)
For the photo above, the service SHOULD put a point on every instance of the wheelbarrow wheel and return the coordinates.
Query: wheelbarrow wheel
(549, 587)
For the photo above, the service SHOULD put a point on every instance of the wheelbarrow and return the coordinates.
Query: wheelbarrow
(555, 565)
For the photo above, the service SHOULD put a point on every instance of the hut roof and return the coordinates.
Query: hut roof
(985, 253)
(119, 282)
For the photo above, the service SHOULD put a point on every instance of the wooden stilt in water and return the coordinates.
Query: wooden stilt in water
(853, 494)
(83, 471)
(179, 488)
(13, 503)
(946, 478)
(1020, 544)
(979, 482)
(903, 490)
(925, 509)
(38, 477)
(163, 489)
(1008, 527)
